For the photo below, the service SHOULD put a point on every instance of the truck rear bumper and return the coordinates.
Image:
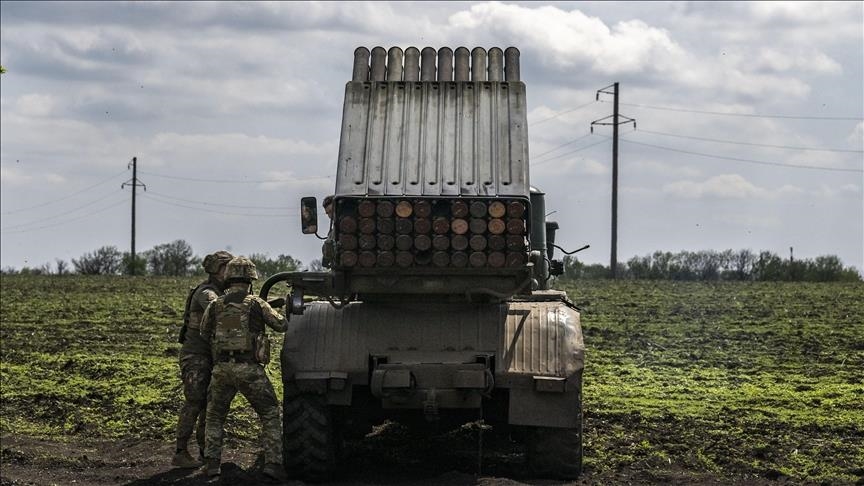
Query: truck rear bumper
(436, 356)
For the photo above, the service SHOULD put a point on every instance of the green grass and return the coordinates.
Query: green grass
(732, 381)
(739, 380)
(97, 356)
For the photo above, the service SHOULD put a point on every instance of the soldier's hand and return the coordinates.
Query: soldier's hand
(277, 303)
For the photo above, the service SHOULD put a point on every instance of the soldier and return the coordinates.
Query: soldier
(233, 325)
(327, 251)
(327, 203)
(196, 361)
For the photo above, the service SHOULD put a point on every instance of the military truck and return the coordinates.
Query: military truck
(437, 301)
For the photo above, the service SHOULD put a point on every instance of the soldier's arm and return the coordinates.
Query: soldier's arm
(204, 297)
(207, 323)
(273, 318)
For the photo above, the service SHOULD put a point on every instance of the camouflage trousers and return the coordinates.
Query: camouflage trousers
(250, 380)
(195, 373)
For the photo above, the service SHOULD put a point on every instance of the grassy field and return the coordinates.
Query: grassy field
(705, 382)
(735, 380)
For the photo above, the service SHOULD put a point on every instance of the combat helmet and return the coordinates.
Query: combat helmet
(214, 261)
(240, 269)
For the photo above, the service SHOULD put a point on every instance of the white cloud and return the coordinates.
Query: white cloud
(52, 178)
(65, 141)
(726, 186)
(14, 177)
(802, 12)
(35, 105)
(856, 137)
(289, 179)
(234, 145)
(572, 165)
(20, 177)
(779, 59)
(566, 39)
(827, 192)
(661, 168)
(587, 166)
(810, 60)
(751, 220)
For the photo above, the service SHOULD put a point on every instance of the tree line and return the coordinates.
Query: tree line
(178, 259)
(175, 259)
(711, 265)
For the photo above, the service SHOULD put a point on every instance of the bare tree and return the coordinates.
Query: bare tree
(104, 261)
(62, 267)
(315, 266)
(742, 264)
(173, 259)
(269, 266)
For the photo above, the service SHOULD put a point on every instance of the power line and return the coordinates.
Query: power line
(234, 181)
(814, 149)
(208, 203)
(55, 216)
(750, 161)
(568, 153)
(748, 115)
(562, 113)
(168, 203)
(114, 204)
(563, 145)
(65, 197)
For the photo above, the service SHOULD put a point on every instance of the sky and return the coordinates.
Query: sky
(748, 117)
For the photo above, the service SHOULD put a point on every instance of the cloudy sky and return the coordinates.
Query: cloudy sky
(749, 130)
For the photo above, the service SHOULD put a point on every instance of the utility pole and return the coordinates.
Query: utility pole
(134, 183)
(616, 120)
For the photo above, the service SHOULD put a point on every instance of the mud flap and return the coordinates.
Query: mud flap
(548, 403)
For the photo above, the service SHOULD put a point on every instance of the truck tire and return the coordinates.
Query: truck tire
(555, 452)
(310, 441)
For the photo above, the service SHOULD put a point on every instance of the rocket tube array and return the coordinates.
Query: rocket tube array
(431, 232)
(429, 65)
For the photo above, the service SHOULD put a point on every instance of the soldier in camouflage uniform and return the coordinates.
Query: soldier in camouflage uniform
(327, 250)
(233, 325)
(196, 361)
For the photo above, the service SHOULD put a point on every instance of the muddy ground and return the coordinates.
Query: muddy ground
(391, 455)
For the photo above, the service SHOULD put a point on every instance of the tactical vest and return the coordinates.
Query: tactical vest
(232, 325)
(194, 311)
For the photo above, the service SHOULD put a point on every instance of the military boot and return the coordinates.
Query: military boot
(213, 467)
(274, 471)
(182, 459)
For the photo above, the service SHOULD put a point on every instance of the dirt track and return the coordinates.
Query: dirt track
(27, 461)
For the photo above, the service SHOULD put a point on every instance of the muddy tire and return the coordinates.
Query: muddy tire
(310, 441)
(554, 452)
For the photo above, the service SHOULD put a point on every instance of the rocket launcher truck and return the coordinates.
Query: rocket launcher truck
(436, 305)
